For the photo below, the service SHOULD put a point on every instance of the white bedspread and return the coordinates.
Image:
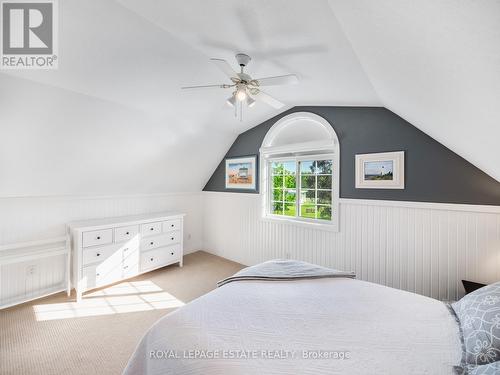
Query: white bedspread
(381, 330)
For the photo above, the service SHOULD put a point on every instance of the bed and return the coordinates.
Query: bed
(331, 325)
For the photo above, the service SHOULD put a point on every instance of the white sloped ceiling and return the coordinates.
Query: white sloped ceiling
(435, 63)
(113, 120)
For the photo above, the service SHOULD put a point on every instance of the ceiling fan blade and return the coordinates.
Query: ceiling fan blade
(288, 79)
(222, 86)
(224, 66)
(263, 97)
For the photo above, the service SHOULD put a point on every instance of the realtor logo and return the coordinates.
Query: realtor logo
(29, 34)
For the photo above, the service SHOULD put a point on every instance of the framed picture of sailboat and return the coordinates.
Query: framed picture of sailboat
(241, 173)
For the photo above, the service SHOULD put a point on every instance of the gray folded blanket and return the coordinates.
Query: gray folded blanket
(285, 269)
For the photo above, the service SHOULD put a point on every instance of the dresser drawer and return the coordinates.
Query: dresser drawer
(97, 237)
(160, 257)
(100, 275)
(111, 254)
(160, 241)
(130, 261)
(151, 229)
(130, 253)
(153, 242)
(173, 237)
(130, 267)
(123, 234)
(101, 254)
(171, 225)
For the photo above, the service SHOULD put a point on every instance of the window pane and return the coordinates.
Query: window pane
(324, 197)
(324, 182)
(277, 168)
(277, 208)
(308, 211)
(277, 195)
(307, 197)
(290, 209)
(278, 181)
(290, 181)
(308, 182)
(324, 166)
(290, 196)
(306, 167)
(324, 212)
(289, 167)
(315, 189)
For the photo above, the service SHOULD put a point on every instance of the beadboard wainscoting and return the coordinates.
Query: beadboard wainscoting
(426, 248)
(37, 218)
(17, 285)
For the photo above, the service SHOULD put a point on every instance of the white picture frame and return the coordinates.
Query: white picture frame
(383, 170)
(241, 173)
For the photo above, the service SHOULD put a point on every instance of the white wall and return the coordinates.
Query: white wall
(34, 218)
(420, 247)
(58, 142)
(436, 64)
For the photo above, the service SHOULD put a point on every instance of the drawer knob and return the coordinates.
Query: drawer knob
(172, 238)
(98, 237)
(151, 243)
(151, 259)
(127, 233)
(151, 228)
(125, 267)
(172, 253)
(171, 225)
(98, 254)
(98, 274)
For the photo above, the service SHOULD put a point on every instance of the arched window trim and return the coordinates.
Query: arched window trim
(326, 148)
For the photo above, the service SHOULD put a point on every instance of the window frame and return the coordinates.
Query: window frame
(331, 224)
(300, 135)
(270, 196)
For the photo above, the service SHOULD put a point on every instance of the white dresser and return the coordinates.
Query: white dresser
(105, 251)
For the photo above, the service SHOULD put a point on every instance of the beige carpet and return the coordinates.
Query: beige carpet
(54, 335)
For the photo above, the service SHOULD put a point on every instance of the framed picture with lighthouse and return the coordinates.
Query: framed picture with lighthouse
(241, 173)
(385, 170)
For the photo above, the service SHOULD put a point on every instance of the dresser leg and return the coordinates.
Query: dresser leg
(180, 263)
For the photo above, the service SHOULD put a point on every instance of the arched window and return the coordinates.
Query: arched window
(299, 161)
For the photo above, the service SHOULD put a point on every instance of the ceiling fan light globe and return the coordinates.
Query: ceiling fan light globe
(231, 101)
(250, 102)
(241, 95)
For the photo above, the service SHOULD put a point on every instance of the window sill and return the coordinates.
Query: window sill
(332, 227)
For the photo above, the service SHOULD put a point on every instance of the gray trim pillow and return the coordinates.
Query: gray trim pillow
(490, 369)
(479, 316)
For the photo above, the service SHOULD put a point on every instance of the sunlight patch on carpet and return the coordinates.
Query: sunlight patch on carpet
(121, 298)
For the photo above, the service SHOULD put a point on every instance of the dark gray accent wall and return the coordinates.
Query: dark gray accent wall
(433, 173)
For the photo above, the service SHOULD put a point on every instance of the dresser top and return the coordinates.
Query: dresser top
(123, 220)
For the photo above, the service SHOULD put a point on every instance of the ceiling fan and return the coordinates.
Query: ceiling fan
(247, 90)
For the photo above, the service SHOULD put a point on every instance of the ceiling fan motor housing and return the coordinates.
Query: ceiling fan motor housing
(243, 59)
